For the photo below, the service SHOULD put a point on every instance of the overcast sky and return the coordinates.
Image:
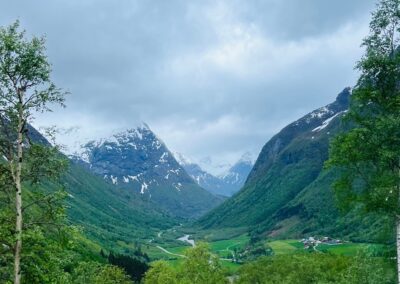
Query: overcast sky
(211, 78)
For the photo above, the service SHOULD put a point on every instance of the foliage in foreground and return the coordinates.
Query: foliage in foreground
(200, 266)
(96, 273)
(133, 266)
(25, 89)
(318, 268)
(368, 156)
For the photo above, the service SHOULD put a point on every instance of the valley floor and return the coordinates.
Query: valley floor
(167, 246)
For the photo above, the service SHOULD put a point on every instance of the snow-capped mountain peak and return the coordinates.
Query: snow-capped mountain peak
(138, 161)
(224, 184)
(136, 155)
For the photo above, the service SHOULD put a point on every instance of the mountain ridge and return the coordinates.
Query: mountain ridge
(140, 162)
(287, 193)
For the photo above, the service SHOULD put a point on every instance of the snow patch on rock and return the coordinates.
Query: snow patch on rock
(325, 123)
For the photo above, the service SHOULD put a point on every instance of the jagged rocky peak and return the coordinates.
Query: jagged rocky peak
(343, 97)
(140, 163)
(132, 137)
(320, 116)
(136, 155)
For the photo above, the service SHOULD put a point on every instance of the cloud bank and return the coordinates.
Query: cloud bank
(211, 78)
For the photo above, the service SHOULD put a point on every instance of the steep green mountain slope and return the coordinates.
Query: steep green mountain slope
(107, 213)
(287, 193)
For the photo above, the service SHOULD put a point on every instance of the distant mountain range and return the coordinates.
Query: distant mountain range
(226, 184)
(287, 193)
(139, 162)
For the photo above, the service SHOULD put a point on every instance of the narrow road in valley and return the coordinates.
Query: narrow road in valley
(171, 253)
(228, 249)
(181, 255)
(186, 239)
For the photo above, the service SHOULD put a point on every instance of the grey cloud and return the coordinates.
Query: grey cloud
(212, 78)
(294, 19)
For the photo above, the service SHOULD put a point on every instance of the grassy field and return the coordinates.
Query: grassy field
(218, 247)
(284, 246)
(222, 248)
(350, 249)
(166, 246)
(225, 247)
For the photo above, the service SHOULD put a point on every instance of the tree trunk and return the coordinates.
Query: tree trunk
(398, 247)
(18, 197)
(398, 227)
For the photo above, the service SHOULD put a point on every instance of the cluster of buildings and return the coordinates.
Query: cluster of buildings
(313, 242)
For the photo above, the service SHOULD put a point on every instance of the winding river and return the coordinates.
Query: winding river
(186, 239)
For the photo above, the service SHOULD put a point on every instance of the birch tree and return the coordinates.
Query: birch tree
(368, 156)
(25, 89)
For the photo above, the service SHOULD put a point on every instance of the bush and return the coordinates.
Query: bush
(199, 267)
(95, 273)
(318, 268)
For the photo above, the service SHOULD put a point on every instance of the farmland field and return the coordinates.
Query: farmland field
(166, 246)
(349, 249)
(284, 246)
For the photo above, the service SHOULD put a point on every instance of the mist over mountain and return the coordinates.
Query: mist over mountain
(227, 183)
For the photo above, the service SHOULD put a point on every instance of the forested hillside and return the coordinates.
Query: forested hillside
(288, 192)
